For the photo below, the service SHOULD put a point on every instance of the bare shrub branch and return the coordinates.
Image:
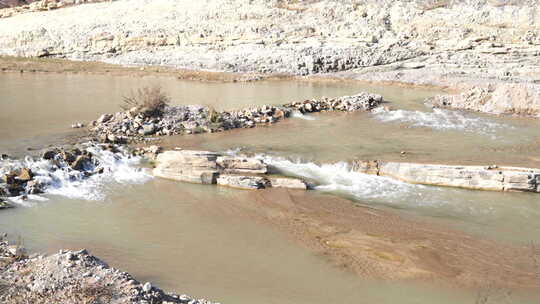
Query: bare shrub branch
(149, 101)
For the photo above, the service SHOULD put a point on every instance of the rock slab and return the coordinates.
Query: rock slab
(470, 177)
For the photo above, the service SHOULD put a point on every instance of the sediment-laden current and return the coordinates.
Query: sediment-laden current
(191, 238)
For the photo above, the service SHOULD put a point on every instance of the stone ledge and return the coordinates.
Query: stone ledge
(470, 177)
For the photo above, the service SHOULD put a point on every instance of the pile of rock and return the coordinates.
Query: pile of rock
(206, 167)
(192, 119)
(72, 277)
(119, 127)
(360, 102)
(470, 177)
(250, 117)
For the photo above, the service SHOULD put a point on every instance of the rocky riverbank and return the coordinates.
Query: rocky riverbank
(134, 124)
(72, 277)
(468, 46)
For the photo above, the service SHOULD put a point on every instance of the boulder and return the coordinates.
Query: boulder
(25, 175)
(241, 165)
(79, 163)
(243, 182)
(288, 182)
(34, 187)
(189, 166)
(49, 154)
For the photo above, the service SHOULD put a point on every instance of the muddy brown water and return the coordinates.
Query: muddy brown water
(184, 237)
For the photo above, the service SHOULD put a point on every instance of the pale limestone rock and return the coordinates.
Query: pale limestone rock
(241, 165)
(287, 182)
(189, 166)
(243, 182)
(470, 177)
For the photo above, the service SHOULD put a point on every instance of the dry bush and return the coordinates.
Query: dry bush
(213, 115)
(149, 101)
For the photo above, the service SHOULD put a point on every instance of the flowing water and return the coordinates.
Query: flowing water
(186, 237)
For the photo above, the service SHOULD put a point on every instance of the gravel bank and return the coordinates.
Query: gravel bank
(72, 277)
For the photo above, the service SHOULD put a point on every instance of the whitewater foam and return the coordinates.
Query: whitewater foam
(379, 190)
(440, 119)
(60, 179)
(338, 177)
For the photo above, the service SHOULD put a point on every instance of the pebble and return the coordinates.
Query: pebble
(147, 287)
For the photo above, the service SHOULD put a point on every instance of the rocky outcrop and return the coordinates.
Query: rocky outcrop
(470, 177)
(499, 99)
(205, 167)
(9, 8)
(72, 277)
(193, 119)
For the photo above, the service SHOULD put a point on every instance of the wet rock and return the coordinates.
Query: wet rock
(68, 156)
(243, 182)
(49, 154)
(34, 187)
(367, 167)
(25, 175)
(288, 182)
(241, 165)
(5, 205)
(3, 190)
(80, 162)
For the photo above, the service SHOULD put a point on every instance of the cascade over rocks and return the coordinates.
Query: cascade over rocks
(33, 176)
(206, 167)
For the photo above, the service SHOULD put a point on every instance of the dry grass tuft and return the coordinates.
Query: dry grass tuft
(149, 101)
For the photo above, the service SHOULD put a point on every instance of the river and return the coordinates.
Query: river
(187, 238)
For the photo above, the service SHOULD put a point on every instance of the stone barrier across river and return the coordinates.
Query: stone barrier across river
(470, 177)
